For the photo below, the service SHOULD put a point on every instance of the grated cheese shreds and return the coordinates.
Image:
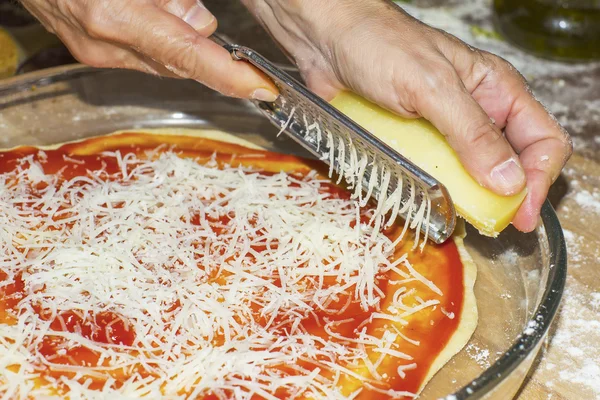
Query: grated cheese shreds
(351, 164)
(214, 268)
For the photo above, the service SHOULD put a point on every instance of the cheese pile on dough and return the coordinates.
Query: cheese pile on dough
(213, 268)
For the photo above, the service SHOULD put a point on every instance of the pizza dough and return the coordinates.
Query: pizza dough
(468, 314)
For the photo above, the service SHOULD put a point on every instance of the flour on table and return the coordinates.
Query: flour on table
(577, 335)
(589, 200)
(574, 243)
(460, 20)
(581, 202)
(577, 329)
(479, 354)
(595, 301)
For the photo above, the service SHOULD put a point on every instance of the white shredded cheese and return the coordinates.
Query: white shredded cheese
(214, 269)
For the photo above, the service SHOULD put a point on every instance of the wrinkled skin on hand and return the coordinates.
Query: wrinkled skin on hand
(166, 37)
(502, 134)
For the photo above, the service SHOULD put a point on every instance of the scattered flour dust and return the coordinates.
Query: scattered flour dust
(595, 301)
(588, 200)
(580, 203)
(574, 246)
(479, 354)
(572, 358)
(577, 335)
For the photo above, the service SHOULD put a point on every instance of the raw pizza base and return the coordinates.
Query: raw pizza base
(468, 315)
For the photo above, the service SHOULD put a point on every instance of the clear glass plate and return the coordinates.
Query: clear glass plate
(520, 276)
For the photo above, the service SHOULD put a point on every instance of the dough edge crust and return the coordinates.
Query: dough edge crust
(199, 133)
(469, 314)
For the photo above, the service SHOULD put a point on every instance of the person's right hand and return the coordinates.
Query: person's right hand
(502, 135)
(164, 37)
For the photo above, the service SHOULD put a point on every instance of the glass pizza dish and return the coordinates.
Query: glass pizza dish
(520, 276)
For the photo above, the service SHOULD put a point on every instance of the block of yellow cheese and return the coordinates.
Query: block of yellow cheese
(420, 142)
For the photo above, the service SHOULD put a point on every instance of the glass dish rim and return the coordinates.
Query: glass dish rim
(522, 347)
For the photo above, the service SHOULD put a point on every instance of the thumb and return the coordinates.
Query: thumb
(478, 142)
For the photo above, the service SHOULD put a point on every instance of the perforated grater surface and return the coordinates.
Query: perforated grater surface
(368, 165)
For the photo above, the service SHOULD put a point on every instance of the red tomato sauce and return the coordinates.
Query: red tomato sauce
(439, 263)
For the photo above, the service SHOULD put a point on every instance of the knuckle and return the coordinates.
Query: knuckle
(431, 81)
(96, 26)
(501, 66)
(100, 20)
(568, 145)
(484, 136)
(403, 97)
(494, 61)
(491, 58)
(416, 94)
(441, 76)
(480, 68)
(183, 59)
(427, 77)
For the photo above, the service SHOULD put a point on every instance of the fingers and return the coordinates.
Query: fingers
(544, 149)
(543, 146)
(104, 54)
(542, 162)
(176, 45)
(528, 122)
(527, 217)
(478, 142)
(172, 41)
(503, 94)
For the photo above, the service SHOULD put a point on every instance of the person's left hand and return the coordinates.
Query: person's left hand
(162, 37)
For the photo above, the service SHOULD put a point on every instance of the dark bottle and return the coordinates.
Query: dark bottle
(567, 30)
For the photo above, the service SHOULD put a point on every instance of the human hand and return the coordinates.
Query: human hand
(163, 37)
(376, 50)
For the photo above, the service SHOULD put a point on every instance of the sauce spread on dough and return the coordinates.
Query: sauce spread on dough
(427, 332)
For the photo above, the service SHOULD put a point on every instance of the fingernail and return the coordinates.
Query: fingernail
(198, 17)
(508, 176)
(264, 95)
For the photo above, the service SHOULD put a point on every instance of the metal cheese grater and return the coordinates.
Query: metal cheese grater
(337, 140)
